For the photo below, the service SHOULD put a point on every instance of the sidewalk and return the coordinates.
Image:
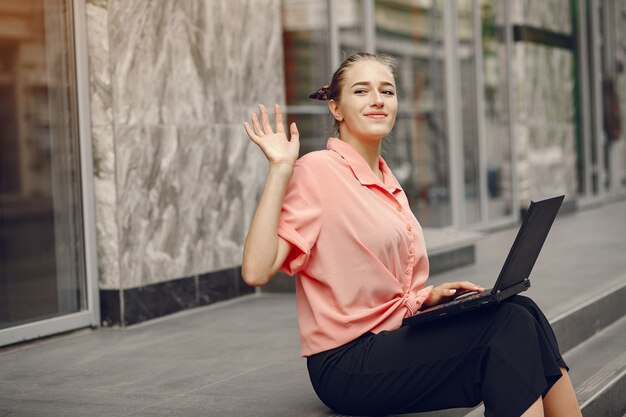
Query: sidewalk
(241, 357)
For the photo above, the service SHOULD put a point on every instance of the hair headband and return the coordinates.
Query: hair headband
(321, 94)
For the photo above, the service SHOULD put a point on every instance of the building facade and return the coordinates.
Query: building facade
(127, 182)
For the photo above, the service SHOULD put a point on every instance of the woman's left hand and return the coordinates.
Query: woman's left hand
(445, 292)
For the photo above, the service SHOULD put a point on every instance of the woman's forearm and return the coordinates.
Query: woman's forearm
(261, 246)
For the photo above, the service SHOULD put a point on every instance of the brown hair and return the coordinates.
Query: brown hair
(333, 90)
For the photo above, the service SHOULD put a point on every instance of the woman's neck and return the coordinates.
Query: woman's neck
(369, 150)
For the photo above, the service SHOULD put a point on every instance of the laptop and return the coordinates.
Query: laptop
(513, 277)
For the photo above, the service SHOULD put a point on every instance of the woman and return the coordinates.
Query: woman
(339, 221)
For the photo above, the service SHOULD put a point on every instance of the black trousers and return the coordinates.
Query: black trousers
(505, 355)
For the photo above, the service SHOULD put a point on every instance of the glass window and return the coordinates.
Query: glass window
(349, 15)
(496, 110)
(307, 68)
(41, 258)
(469, 116)
(417, 149)
(306, 49)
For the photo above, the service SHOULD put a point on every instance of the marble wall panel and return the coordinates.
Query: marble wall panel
(553, 15)
(105, 191)
(103, 144)
(223, 172)
(142, 60)
(177, 179)
(99, 62)
(186, 198)
(153, 246)
(196, 62)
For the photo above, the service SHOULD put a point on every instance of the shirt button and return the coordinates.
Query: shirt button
(408, 272)
(409, 227)
(399, 209)
(411, 249)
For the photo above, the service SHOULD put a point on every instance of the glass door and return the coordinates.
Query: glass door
(600, 131)
(42, 246)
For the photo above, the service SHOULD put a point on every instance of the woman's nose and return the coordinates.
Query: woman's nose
(377, 98)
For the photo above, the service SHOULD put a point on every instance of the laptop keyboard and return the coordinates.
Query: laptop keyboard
(465, 297)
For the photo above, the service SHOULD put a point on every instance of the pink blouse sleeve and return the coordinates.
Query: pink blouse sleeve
(300, 218)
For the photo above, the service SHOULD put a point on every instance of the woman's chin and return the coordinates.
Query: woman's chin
(377, 133)
(372, 133)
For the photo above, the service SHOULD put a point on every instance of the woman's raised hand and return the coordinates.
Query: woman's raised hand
(277, 148)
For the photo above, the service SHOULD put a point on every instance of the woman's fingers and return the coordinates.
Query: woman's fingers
(463, 285)
(453, 288)
(255, 138)
(293, 131)
(255, 123)
(470, 286)
(443, 292)
(263, 127)
(265, 121)
(279, 119)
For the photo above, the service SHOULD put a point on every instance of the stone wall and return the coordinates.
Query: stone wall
(176, 178)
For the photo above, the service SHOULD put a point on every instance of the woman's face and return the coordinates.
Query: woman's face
(368, 104)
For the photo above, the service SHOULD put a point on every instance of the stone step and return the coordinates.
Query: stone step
(450, 248)
(600, 377)
(583, 321)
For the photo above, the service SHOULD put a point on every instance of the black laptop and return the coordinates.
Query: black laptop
(513, 277)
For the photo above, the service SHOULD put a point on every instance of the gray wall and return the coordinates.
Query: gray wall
(176, 178)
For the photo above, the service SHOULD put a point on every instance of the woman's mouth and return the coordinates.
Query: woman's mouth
(377, 115)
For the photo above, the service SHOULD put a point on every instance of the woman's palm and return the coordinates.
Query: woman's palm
(275, 145)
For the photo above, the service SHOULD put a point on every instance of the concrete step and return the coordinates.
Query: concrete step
(450, 248)
(600, 374)
(591, 316)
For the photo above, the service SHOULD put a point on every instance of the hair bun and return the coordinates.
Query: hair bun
(321, 94)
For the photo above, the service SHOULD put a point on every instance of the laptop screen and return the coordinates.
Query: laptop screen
(529, 241)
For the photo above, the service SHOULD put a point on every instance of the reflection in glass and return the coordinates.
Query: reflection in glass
(41, 261)
(467, 65)
(305, 48)
(314, 129)
(496, 116)
(307, 68)
(349, 15)
(417, 149)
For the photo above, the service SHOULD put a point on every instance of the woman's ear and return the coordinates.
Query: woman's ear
(333, 106)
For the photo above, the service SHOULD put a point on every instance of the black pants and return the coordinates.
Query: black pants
(504, 355)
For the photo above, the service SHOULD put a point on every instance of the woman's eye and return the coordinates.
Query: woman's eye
(360, 91)
(389, 92)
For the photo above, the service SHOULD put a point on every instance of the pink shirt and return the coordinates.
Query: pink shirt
(358, 252)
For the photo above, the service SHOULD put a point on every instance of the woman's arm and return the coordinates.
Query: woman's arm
(264, 251)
